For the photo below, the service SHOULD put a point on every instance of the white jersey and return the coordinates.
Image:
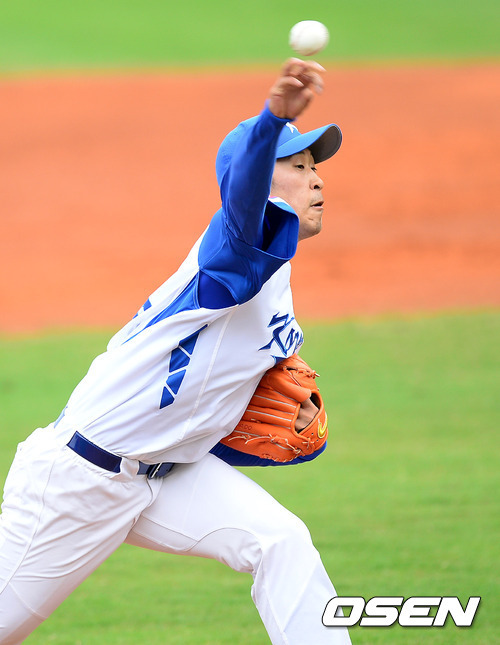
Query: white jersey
(177, 378)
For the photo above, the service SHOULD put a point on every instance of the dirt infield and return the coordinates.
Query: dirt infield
(105, 182)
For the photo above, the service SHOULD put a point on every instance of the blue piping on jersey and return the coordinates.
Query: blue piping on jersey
(187, 300)
(179, 362)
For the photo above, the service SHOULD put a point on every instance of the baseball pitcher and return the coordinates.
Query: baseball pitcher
(204, 377)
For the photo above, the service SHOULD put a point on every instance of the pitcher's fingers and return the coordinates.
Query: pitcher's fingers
(295, 65)
(312, 76)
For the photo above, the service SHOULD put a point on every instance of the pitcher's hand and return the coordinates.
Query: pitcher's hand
(294, 89)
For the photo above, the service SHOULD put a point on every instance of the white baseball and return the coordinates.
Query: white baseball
(308, 37)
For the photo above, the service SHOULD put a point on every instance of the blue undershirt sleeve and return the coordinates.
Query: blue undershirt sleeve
(236, 458)
(250, 237)
(246, 185)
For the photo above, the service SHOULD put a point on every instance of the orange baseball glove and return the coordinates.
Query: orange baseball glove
(267, 429)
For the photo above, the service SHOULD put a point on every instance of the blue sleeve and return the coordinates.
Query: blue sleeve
(250, 237)
(246, 185)
(236, 458)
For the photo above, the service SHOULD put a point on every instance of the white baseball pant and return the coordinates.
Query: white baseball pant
(62, 517)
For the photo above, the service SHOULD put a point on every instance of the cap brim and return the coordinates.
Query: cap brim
(323, 143)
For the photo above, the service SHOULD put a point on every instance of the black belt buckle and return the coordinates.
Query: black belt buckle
(156, 471)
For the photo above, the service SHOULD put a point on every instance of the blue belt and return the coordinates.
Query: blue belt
(107, 460)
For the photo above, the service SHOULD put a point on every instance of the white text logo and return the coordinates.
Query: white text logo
(383, 611)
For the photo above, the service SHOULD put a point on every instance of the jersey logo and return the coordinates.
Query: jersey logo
(179, 362)
(285, 338)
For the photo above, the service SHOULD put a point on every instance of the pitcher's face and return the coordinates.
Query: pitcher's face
(296, 181)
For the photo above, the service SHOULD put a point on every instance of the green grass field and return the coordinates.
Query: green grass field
(57, 34)
(404, 501)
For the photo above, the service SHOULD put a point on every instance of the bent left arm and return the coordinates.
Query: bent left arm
(236, 458)
(284, 423)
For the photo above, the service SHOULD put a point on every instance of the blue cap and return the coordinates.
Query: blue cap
(323, 143)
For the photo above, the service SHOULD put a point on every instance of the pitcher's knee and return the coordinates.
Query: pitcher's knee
(290, 539)
(291, 527)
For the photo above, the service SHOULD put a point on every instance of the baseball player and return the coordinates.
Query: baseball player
(128, 459)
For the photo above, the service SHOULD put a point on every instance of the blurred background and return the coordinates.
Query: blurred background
(111, 119)
(83, 35)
